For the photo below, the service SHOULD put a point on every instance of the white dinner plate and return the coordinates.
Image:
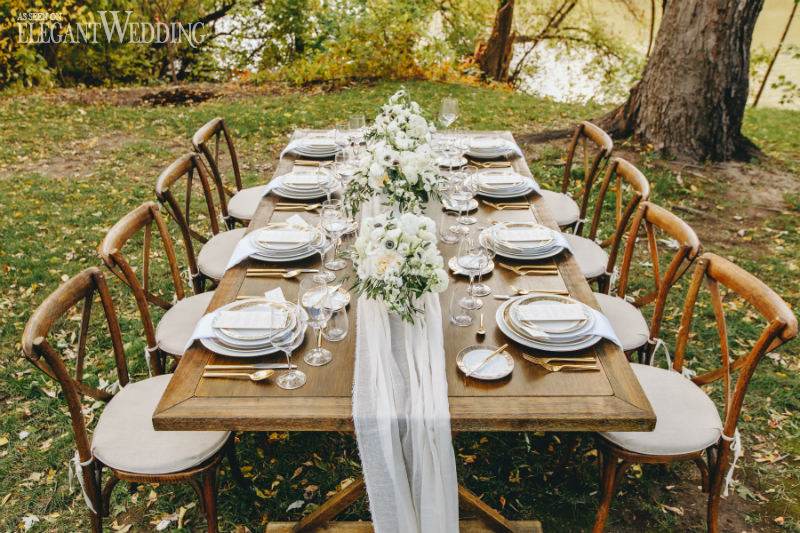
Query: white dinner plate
(498, 367)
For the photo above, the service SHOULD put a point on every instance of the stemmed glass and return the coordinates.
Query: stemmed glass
(345, 166)
(357, 125)
(489, 249)
(327, 181)
(321, 246)
(469, 185)
(341, 134)
(288, 342)
(316, 300)
(335, 222)
(472, 258)
(448, 112)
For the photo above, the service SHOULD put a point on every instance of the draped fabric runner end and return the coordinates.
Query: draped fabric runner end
(402, 420)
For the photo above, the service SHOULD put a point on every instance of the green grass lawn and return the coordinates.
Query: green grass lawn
(68, 172)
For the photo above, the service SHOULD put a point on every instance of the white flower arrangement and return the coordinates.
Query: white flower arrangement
(396, 259)
(401, 124)
(398, 162)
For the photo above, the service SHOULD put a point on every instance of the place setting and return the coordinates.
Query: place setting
(503, 183)
(553, 323)
(316, 145)
(491, 147)
(280, 242)
(523, 241)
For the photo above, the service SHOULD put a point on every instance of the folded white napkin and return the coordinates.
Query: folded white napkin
(267, 319)
(550, 312)
(601, 327)
(317, 140)
(484, 144)
(306, 180)
(205, 326)
(244, 248)
(501, 179)
(529, 183)
(524, 235)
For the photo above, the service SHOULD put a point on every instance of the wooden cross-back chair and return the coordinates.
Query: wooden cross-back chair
(176, 325)
(236, 204)
(625, 316)
(590, 251)
(123, 440)
(688, 421)
(569, 206)
(207, 250)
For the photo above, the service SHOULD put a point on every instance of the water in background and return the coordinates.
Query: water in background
(562, 75)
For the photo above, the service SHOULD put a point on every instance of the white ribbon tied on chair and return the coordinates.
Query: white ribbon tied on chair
(736, 447)
(75, 468)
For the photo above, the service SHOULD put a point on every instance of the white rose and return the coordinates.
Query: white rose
(417, 126)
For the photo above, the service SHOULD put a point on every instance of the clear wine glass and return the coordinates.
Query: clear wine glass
(335, 221)
(327, 181)
(316, 299)
(341, 134)
(357, 126)
(448, 112)
(344, 165)
(321, 246)
(472, 259)
(470, 186)
(488, 247)
(288, 342)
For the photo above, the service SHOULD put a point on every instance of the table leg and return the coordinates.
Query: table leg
(332, 507)
(483, 512)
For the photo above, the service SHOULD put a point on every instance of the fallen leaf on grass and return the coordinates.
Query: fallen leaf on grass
(28, 521)
(295, 505)
(676, 510)
(779, 520)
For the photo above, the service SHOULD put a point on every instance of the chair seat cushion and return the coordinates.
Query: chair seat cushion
(124, 438)
(243, 204)
(687, 420)
(591, 258)
(214, 255)
(564, 209)
(628, 322)
(176, 326)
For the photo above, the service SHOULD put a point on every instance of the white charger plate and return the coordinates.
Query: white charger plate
(537, 345)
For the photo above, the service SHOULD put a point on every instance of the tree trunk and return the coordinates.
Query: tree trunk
(693, 92)
(494, 57)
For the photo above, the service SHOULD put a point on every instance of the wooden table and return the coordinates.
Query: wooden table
(529, 399)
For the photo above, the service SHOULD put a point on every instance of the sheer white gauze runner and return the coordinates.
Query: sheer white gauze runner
(402, 418)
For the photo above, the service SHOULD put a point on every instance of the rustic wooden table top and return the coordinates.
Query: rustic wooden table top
(529, 399)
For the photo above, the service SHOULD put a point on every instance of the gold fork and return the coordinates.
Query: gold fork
(491, 164)
(296, 207)
(572, 366)
(507, 205)
(521, 270)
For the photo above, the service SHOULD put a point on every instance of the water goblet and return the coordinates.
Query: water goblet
(315, 298)
(335, 221)
(472, 259)
(327, 181)
(321, 245)
(287, 342)
(448, 112)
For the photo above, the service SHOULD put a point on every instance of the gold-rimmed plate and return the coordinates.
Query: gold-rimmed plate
(498, 367)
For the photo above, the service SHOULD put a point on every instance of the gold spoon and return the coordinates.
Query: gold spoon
(285, 275)
(522, 292)
(480, 330)
(259, 375)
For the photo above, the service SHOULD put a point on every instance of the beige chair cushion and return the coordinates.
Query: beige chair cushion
(564, 209)
(176, 326)
(687, 419)
(243, 204)
(592, 259)
(628, 322)
(214, 255)
(124, 438)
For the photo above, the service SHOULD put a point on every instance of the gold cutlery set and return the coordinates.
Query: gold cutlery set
(292, 206)
(499, 206)
(258, 372)
(257, 272)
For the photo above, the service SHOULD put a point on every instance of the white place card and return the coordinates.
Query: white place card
(550, 312)
(524, 235)
(250, 319)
